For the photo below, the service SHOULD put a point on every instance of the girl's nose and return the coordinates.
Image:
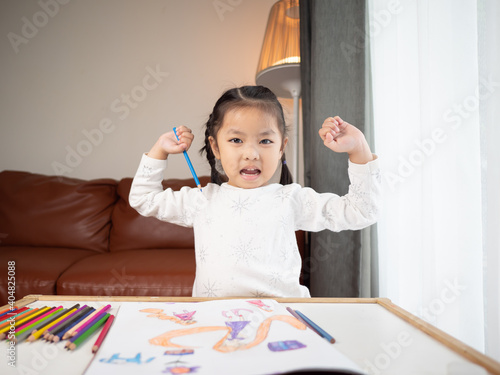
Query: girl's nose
(251, 153)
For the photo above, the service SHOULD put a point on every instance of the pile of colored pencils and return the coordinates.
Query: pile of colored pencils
(54, 324)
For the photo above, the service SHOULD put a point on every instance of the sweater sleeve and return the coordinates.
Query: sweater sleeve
(356, 210)
(148, 197)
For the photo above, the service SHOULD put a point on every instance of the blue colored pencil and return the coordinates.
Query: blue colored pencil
(189, 163)
(316, 327)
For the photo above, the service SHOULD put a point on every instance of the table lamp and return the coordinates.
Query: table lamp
(279, 63)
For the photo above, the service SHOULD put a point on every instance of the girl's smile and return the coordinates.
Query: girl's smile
(249, 146)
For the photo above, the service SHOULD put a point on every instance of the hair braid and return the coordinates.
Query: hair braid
(286, 176)
(215, 176)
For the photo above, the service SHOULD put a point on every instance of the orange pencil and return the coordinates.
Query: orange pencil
(24, 320)
(7, 309)
(16, 317)
(5, 318)
(103, 334)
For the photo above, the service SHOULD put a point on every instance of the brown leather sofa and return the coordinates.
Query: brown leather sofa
(74, 237)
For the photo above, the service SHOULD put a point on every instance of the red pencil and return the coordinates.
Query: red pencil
(19, 313)
(103, 334)
(81, 326)
(8, 315)
(6, 310)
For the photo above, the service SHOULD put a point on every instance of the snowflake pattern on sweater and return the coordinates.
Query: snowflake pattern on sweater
(245, 238)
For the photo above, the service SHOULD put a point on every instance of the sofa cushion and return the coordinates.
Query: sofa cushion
(131, 273)
(55, 211)
(36, 268)
(132, 231)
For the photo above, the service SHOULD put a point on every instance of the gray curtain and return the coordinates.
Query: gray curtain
(333, 63)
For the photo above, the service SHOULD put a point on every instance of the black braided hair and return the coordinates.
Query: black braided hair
(243, 97)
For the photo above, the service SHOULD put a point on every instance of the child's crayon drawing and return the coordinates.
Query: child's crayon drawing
(224, 345)
(181, 370)
(184, 318)
(179, 366)
(261, 305)
(247, 336)
(117, 360)
(281, 346)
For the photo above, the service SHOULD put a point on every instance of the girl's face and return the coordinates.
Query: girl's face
(249, 146)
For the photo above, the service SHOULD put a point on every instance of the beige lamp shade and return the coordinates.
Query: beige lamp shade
(279, 63)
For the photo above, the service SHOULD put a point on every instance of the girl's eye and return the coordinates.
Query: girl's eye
(235, 140)
(266, 141)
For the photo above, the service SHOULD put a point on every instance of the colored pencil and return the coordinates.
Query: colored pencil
(92, 320)
(4, 319)
(16, 318)
(320, 331)
(27, 331)
(33, 316)
(7, 310)
(63, 323)
(36, 335)
(92, 329)
(48, 321)
(22, 316)
(186, 156)
(103, 334)
(69, 333)
(73, 309)
(87, 325)
(26, 320)
(35, 321)
(74, 321)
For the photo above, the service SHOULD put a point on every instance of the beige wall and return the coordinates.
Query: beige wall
(88, 85)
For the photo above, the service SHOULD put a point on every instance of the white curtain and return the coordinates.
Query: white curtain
(434, 113)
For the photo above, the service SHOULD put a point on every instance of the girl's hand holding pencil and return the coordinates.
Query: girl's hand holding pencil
(168, 144)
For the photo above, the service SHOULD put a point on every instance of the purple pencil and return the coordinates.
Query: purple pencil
(88, 323)
(86, 326)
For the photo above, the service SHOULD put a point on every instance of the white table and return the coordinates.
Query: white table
(376, 334)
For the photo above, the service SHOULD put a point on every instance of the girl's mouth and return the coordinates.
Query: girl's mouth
(250, 172)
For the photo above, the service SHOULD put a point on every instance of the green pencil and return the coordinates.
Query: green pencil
(26, 331)
(85, 335)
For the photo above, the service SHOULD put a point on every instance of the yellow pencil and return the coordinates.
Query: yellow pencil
(36, 335)
(20, 322)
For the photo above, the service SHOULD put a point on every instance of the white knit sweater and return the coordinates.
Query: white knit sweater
(245, 238)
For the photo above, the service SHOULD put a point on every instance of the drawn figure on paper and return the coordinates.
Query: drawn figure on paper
(280, 346)
(184, 318)
(227, 343)
(117, 360)
(236, 322)
(261, 305)
(178, 366)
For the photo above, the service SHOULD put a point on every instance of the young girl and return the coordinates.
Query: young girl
(245, 227)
